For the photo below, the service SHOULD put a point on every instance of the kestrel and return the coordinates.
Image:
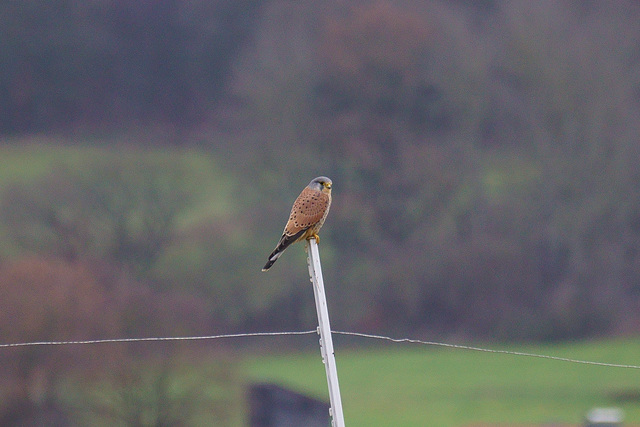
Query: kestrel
(307, 216)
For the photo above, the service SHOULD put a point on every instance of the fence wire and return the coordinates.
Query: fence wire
(314, 331)
(151, 339)
(486, 350)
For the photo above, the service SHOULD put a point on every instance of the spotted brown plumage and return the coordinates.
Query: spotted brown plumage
(307, 216)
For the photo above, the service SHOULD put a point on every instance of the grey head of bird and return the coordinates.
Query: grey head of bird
(321, 183)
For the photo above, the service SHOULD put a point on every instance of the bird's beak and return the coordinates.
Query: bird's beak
(327, 186)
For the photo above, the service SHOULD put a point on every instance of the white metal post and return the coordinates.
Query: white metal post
(324, 330)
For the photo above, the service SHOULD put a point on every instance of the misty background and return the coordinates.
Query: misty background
(484, 154)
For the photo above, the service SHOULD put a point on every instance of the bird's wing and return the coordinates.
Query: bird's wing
(307, 211)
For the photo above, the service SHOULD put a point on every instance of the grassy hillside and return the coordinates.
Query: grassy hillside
(408, 385)
(30, 160)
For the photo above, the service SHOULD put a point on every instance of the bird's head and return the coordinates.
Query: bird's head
(321, 183)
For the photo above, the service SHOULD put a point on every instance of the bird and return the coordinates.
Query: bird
(306, 218)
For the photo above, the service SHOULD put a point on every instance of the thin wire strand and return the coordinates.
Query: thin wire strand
(315, 331)
(486, 350)
(129, 340)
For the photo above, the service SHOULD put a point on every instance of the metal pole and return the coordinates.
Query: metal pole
(324, 330)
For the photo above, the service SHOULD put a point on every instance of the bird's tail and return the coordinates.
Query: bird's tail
(283, 244)
(272, 259)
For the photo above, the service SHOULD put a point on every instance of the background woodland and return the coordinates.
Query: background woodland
(484, 154)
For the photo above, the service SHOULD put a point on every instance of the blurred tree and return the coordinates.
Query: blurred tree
(111, 63)
(48, 300)
(273, 86)
(122, 210)
(56, 300)
(485, 160)
(374, 62)
(442, 132)
(167, 390)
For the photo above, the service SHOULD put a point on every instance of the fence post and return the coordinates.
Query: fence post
(324, 330)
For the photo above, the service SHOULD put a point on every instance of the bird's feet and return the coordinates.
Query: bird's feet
(314, 236)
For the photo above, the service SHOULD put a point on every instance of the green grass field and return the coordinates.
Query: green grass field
(416, 385)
